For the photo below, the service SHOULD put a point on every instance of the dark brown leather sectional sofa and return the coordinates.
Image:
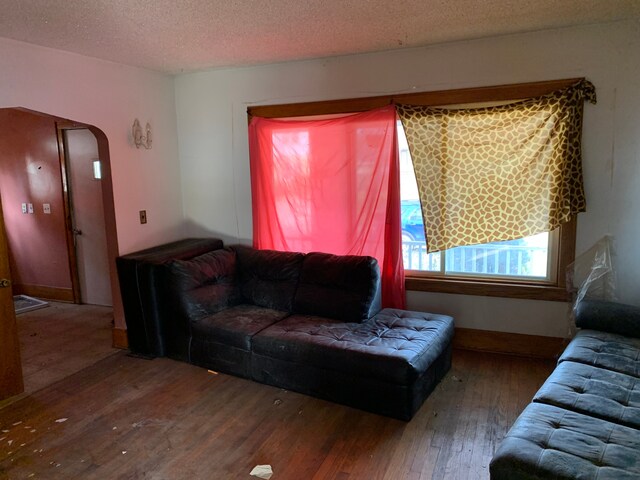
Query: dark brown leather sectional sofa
(311, 323)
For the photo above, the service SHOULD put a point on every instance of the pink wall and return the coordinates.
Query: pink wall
(30, 173)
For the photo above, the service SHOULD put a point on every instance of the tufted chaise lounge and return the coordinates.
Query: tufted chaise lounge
(584, 422)
(310, 323)
(388, 364)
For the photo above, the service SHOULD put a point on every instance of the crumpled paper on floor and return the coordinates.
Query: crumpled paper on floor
(262, 471)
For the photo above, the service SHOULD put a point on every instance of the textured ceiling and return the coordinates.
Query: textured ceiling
(185, 35)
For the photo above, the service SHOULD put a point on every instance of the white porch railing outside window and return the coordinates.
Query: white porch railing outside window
(487, 259)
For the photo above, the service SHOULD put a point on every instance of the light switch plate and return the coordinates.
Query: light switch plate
(46, 208)
(30, 207)
(24, 208)
(143, 216)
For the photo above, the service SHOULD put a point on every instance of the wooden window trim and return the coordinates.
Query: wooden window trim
(422, 282)
(555, 291)
(435, 98)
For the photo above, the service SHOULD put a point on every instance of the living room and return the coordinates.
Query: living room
(195, 180)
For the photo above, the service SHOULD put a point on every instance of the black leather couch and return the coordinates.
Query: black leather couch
(310, 323)
(584, 422)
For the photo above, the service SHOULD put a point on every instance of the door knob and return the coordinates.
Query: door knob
(77, 231)
(4, 283)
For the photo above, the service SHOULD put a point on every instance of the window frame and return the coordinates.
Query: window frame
(505, 287)
(424, 281)
(550, 279)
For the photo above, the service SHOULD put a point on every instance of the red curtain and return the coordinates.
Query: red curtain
(330, 185)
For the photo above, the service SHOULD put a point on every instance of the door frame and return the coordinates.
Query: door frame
(11, 380)
(61, 126)
(108, 204)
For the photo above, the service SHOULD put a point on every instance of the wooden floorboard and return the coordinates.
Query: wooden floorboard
(62, 339)
(130, 418)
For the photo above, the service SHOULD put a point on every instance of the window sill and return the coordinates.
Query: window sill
(487, 288)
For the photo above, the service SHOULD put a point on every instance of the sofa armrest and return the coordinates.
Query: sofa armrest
(609, 317)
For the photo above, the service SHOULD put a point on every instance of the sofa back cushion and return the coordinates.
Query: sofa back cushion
(342, 287)
(268, 278)
(204, 284)
(607, 316)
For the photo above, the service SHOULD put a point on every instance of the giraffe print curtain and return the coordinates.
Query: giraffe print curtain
(498, 173)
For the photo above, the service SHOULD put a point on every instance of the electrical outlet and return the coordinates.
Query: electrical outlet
(46, 208)
(30, 207)
(24, 208)
(143, 216)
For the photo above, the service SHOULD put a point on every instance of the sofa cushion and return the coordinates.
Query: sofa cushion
(551, 442)
(394, 346)
(341, 287)
(605, 350)
(205, 284)
(236, 325)
(593, 391)
(268, 278)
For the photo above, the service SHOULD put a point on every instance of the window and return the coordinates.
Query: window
(491, 272)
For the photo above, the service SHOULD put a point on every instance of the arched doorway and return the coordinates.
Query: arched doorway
(35, 186)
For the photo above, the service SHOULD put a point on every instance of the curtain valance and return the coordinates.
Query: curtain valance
(498, 173)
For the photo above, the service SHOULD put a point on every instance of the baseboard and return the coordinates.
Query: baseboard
(43, 291)
(535, 346)
(120, 340)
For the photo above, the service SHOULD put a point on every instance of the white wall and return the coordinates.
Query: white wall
(212, 127)
(109, 96)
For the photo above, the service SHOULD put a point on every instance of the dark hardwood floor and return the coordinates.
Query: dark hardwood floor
(62, 339)
(130, 418)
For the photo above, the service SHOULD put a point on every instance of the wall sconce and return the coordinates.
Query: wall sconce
(139, 139)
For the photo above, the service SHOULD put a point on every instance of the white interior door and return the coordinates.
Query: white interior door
(85, 192)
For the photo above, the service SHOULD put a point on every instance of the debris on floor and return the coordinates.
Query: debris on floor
(61, 420)
(213, 372)
(277, 401)
(148, 422)
(262, 471)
